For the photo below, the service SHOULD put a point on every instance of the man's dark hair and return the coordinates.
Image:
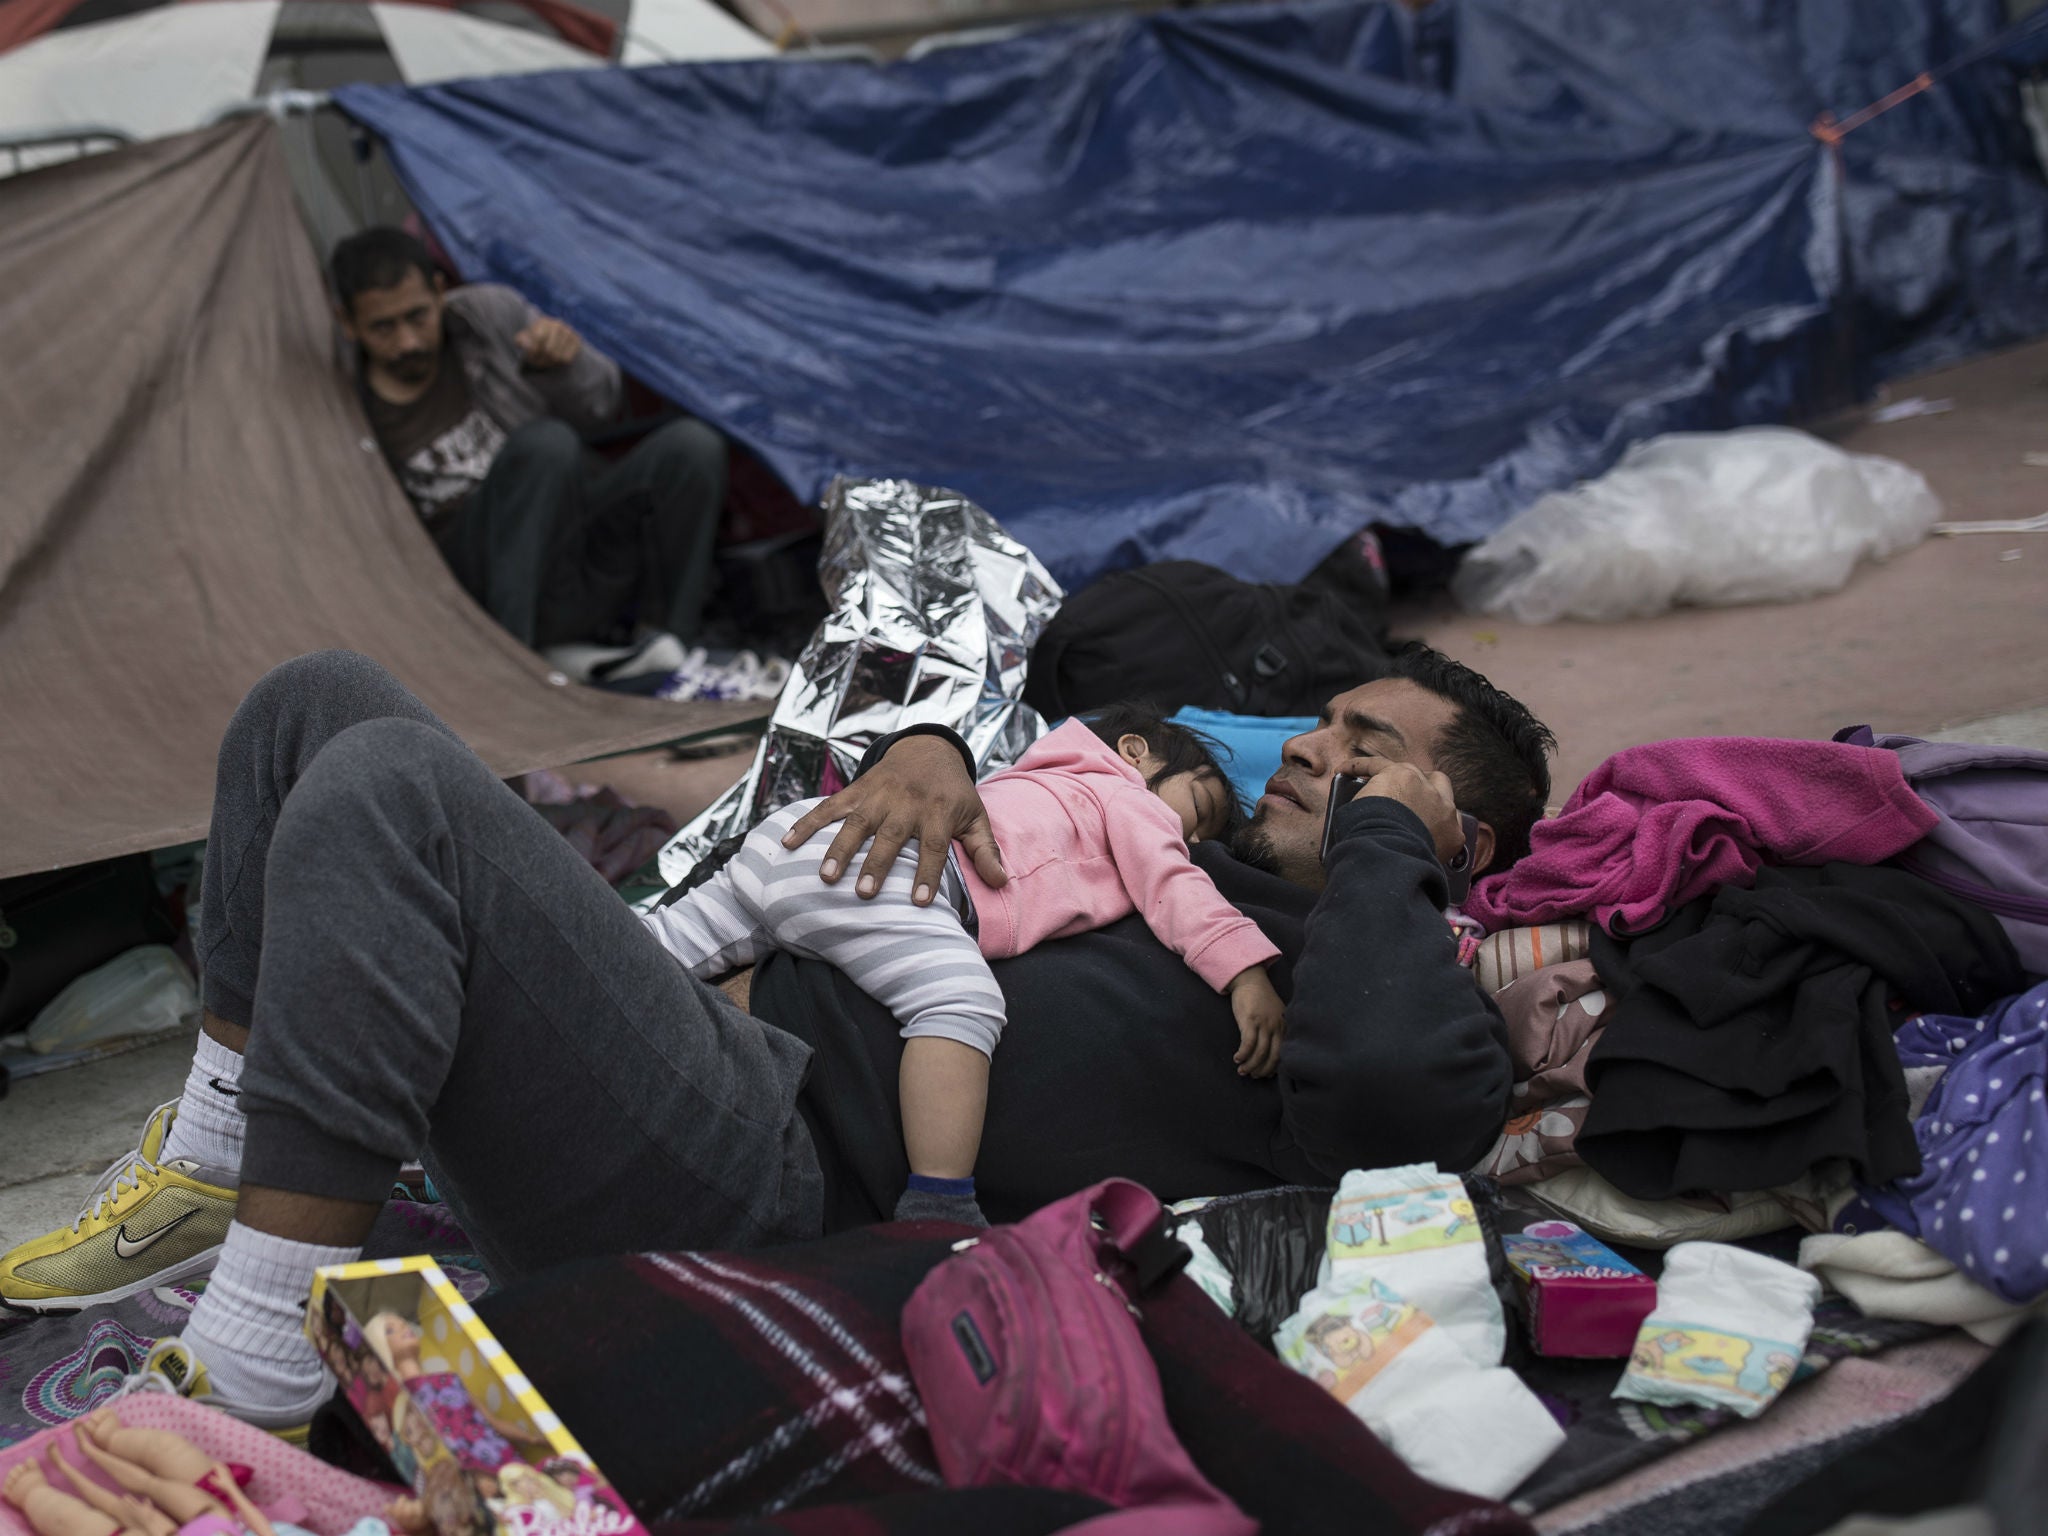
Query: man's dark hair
(1495, 753)
(1178, 749)
(378, 257)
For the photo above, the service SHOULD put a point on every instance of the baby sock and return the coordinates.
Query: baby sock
(930, 1199)
(1468, 1426)
(209, 1124)
(1413, 1229)
(1729, 1330)
(247, 1329)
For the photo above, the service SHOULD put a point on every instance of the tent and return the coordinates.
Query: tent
(1227, 284)
(191, 496)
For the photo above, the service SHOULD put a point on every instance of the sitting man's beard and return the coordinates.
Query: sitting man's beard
(412, 367)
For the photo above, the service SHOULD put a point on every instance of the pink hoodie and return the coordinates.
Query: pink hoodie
(1656, 826)
(1085, 843)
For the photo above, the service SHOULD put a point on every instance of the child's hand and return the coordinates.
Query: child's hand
(1261, 1021)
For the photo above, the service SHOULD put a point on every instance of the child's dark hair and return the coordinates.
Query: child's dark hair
(1179, 750)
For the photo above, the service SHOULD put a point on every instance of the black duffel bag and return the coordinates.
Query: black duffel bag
(1181, 634)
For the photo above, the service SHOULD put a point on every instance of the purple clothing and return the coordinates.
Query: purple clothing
(1983, 1134)
(1656, 826)
(462, 1426)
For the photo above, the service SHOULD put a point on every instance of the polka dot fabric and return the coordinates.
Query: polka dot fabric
(331, 1499)
(1981, 1196)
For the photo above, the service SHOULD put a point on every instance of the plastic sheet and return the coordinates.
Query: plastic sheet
(1226, 285)
(934, 611)
(1705, 518)
(1270, 1244)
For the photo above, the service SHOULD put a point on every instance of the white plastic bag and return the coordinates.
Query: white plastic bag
(1763, 514)
(138, 992)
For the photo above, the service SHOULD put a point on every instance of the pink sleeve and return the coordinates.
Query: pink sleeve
(1179, 903)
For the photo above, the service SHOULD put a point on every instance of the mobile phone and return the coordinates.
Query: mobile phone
(1344, 789)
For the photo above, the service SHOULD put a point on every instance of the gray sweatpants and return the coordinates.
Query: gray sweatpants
(920, 963)
(427, 969)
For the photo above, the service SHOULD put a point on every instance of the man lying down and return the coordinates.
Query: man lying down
(400, 960)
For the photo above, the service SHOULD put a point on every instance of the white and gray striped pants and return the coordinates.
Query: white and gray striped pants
(920, 963)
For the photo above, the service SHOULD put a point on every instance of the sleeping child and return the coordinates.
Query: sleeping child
(1094, 822)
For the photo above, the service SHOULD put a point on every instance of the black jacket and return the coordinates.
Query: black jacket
(1750, 1034)
(1117, 1057)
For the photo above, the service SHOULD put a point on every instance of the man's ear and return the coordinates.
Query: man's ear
(1482, 850)
(1133, 748)
(440, 283)
(346, 321)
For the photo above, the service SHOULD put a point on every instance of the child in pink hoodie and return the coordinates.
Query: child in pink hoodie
(1094, 822)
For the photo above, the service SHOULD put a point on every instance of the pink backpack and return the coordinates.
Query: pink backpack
(1025, 1349)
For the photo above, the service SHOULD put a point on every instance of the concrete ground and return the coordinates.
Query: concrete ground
(1946, 634)
(1948, 638)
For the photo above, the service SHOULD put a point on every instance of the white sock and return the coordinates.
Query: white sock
(1414, 1229)
(209, 1124)
(247, 1329)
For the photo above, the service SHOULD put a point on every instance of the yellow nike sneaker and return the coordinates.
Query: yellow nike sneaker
(172, 1367)
(146, 1223)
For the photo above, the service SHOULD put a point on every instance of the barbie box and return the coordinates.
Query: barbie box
(480, 1447)
(1584, 1299)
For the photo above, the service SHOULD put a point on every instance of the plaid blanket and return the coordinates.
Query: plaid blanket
(737, 1387)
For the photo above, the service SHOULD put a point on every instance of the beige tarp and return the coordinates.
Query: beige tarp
(189, 495)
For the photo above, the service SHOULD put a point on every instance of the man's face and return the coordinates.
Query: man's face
(399, 328)
(1390, 721)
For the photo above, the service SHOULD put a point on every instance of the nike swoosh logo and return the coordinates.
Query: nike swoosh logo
(127, 1247)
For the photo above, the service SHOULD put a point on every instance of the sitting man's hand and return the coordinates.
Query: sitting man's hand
(1261, 1022)
(919, 791)
(548, 344)
(1428, 795)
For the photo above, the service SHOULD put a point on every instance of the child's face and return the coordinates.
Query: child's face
(1198, 797)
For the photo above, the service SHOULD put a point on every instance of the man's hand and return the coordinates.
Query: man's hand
(548, 344)
(919, 790)
(1261, 1021)
(1428, 795)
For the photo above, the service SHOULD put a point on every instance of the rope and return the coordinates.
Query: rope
(1831, 132)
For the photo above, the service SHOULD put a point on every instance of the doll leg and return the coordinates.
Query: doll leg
(160, 1451)
(125, 1508)
(177, 1461)
(52, 1513)
(180, 1500)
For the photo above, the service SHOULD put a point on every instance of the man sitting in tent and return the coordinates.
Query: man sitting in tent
(400, 959)
(480, 403)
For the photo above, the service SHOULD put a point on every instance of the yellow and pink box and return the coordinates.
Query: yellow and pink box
(481, 1448)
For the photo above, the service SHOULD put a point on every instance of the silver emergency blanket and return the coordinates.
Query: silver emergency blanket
(934, 613)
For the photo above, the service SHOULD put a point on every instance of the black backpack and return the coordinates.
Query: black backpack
(1181, 634)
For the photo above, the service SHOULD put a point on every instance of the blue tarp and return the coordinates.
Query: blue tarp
(1226, 285)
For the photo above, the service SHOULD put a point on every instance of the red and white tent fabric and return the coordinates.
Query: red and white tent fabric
(158, 68)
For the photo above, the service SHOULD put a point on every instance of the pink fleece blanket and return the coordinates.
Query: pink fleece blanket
(1656, 826)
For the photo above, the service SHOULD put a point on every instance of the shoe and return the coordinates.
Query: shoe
(703, 677)
(172, 1367)
(146, 1223)
(654, 653)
